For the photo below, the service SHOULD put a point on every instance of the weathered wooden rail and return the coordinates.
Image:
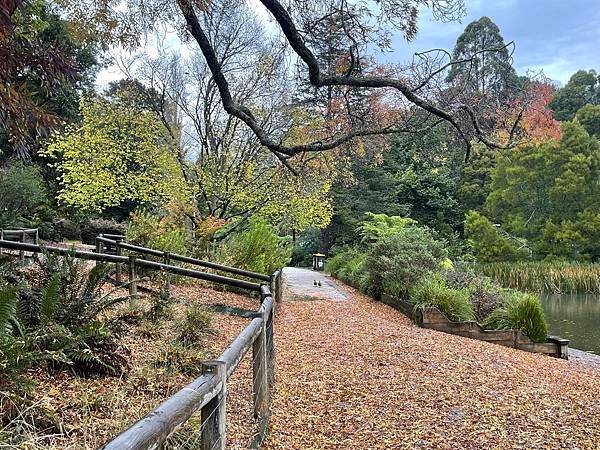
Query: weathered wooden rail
(207, 393)
(133, 263)
(104, 241)
(20, 235)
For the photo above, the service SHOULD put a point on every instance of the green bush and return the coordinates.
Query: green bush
(396, 262)
(519, 311)
(433, 291)
(195, 326)
(93, 227)
(258, 248)
(148, 230)
(334, 263)
(349, 265)
(53, 315)
(22, 194)
(378, 226)
(484, 294)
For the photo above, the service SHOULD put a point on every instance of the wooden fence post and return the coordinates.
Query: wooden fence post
(99, 247)
(118, 252)
(279, 286)
(22, 239)
(214, 418)
(37, 236)
(132, 276)
(260, 382)
(270, 345)
(1, 237)
(167, 261)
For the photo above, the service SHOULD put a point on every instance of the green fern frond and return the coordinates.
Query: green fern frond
(8, 303)
(50, 299)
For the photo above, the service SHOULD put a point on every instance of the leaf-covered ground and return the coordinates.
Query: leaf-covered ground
(71, 412)
(358, 374)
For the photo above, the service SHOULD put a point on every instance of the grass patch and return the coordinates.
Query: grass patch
(555, 277)
(432, 291)
(519, 311)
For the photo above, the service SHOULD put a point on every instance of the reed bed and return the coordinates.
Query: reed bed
(553, 277)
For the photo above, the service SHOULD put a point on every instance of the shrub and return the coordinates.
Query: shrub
(257, 248)
(54, 316)
(334, 263)
(195, 326)
(378, 226)
(151, 231)
(177, 358)
(454, 303)
(22, 194)
(484, 294)
(520, 311)
(349, 265)
(396, 262)
(93, 227)
(67, 229)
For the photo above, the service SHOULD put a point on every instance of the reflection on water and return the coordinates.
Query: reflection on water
(575, 317)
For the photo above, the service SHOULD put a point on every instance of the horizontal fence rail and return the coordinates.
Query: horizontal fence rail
(133, 262)
(105, 240)
(20, 235)
(208, 393)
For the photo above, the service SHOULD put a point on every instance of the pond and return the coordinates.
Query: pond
(575, 317)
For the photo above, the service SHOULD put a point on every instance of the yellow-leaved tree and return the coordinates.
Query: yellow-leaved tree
(118, 153)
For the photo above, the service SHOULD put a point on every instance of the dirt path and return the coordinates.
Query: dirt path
(356, 374)
(301, 283)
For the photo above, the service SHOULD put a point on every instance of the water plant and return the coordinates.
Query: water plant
(541, 276)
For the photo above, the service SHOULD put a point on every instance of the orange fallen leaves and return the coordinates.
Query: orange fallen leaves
(358, 374)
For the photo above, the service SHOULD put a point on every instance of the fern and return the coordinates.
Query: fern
(50, 299)
(8, 303)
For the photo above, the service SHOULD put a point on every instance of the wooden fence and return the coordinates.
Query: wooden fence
(207, 393)
(20, 235)
(116, 243)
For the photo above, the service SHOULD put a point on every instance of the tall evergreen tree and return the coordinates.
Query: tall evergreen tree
(489, 72)
(583, 88)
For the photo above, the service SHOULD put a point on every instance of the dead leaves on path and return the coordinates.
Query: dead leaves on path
(358, 374)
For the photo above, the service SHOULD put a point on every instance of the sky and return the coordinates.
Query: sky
(556, 36)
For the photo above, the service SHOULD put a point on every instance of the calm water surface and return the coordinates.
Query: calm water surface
(575, 317)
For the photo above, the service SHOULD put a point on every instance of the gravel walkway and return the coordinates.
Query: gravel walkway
(356, 374)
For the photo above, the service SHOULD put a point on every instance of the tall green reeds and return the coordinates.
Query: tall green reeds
(555, 277)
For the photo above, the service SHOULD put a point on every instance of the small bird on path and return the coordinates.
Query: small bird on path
(314, 282)
(319, 284)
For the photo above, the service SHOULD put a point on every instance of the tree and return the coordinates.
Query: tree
(117, 154)
(589, 117)
(582, 88)
(475, 183)
(487, 243)
(44, 70)
(401, 90)
(486, 73)
(415, 179)
(546, 192)
(22, 194)
(231, 176)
